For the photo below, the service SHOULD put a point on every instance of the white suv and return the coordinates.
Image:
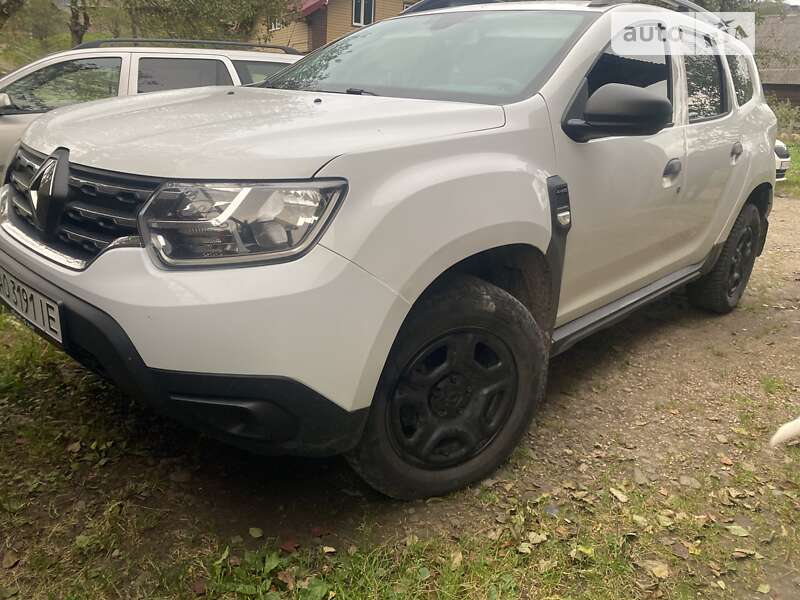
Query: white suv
(377, 252)
(124, 67)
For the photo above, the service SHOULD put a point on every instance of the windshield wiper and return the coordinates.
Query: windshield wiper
(360, 92)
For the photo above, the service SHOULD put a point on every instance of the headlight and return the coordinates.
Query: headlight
(206, 224)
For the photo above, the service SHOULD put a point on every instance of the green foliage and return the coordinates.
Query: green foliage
(788, 117)
(36, 28)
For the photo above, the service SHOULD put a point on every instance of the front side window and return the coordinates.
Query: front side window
(159, 74)
(492, 57)
(68, 82)
(704, 81)
(741, 76)
(649, 72)
(363, 12)
(251, 71)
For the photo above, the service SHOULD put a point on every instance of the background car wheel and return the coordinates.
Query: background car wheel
(721, 289)
(457, 392)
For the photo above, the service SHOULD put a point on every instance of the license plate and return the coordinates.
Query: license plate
(36, 309)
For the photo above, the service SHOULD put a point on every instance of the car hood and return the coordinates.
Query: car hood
(244, 133)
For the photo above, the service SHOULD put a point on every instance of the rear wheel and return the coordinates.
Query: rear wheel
(721, 289)
(457, 393)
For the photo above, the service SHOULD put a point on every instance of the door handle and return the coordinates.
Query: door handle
(737, 150)
(673, 168)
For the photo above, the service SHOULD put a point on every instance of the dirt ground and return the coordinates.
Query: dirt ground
(664, 417)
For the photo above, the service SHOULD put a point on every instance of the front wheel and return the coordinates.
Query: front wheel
(721, 289)
(457, 393)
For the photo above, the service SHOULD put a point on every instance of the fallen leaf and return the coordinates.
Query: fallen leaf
(287, 577)
(255, 533)
(721, 584)
(546, 565)
(537, 538)
(455, 560)
(740, 553)
(665, 521)
(738, 530)
(10, 559)
(764, 588)
(639, 520)
(289, 545)
(656, 568)
(524, 548)
(618, 495)
(328, 550)
(581, 552)
(74, 448)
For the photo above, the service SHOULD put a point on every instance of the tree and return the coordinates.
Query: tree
(79, 20)
(8, 8)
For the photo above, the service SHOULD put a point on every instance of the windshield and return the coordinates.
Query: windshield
(492, 57)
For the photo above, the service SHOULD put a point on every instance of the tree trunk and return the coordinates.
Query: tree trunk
(78, 20)
(8, 8)
(132, 8)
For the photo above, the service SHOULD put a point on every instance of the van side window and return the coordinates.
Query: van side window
(158, 74)
(741, 76)
(649, 72)
(704, 80)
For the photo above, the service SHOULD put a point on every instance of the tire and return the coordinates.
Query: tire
(458, 391)
(720, 290)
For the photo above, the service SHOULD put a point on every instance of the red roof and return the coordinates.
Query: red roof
(310, 6)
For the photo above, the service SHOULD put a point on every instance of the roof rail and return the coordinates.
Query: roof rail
(177, 42)
(677, 5)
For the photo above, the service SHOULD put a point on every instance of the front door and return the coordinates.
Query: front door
(56, 84)
(626, 194)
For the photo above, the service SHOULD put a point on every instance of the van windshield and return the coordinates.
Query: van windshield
(487, 56)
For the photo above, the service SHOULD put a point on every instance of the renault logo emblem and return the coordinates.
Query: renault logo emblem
(49, 189)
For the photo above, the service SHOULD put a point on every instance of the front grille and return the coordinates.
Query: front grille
(101, 208)
(780, 174)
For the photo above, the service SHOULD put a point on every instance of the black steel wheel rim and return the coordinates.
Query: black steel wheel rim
(452, 399)
(741, 261)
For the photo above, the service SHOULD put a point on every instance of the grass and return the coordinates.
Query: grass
(791, 187)
(87, 513)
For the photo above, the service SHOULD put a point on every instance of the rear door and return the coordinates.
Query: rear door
(156, 72)
(717, 149)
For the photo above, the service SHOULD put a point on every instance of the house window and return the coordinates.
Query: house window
(275, 24)
(363, 12)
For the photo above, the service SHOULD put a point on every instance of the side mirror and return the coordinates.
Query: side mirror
(619, 109)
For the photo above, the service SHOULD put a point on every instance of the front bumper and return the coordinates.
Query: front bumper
(781, 167)
(277, 359)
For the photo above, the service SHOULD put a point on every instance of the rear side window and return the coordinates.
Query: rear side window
(742, 78)
(158, 74)
(251, 71)
(704, 80)
(649, 72)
